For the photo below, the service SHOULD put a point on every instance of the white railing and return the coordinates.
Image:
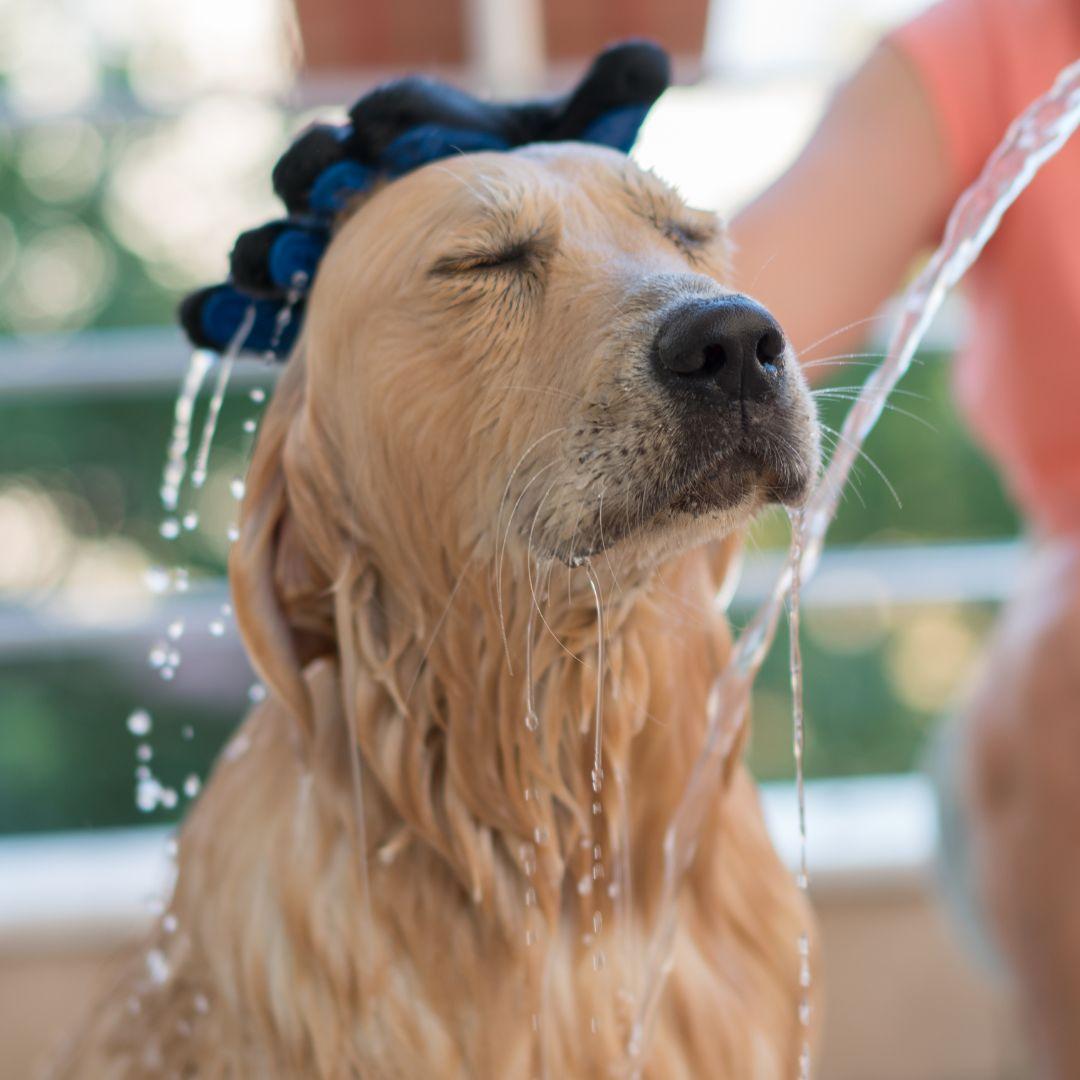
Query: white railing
(97, 884)
(104, 885)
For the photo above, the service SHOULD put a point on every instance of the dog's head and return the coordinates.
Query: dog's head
(522, 355)
(538, 349)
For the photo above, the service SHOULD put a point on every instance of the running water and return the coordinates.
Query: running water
(1030, 142)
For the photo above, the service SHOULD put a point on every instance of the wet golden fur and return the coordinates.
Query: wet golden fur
(469, 410)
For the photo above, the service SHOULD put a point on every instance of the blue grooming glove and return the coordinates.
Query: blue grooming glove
(393, 130)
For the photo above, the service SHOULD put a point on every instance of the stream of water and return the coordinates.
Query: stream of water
(1033, 138)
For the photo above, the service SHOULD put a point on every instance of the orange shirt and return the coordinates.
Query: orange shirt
(1018, 378)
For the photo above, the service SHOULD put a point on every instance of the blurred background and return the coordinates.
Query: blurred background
(136, 141)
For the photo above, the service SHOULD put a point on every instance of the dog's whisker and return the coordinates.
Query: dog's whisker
(498, 517)
(553, 390)
(438, 626)
(840, 437)
(530, 555)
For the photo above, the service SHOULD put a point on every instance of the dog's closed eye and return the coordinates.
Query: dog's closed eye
(514, 255)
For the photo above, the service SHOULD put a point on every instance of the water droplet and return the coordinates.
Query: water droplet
(139, 723)
(530, 896)
(596, 854)
(258, 395)
(249, 426)
(594, 1025)
(168, 673)
(170, 528)
(528, 859)
(157, 967)
(597, 871)
(201, 1004)
(187, 732)
(172, 848)
(597, 922)
(236, 486)
(191, 520)
(169, 798)
(237, 746)
(191, 786)
(584, 886)
(529, 937)
(217, 627)
(157, 656)
(597, 777)
(146, 794)
(144, 752)
(157, 579)
(256, 692)
(181, 580)
(532, 721)
(169, 923)
(804, 1014)
(142, 772)
(613, 890)
(540, 834)
(226, 609)
(173, 658)
(175, 630)
(233, 534)
(596, 808)
(598, 960)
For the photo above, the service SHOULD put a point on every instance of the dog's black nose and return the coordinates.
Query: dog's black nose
(730, 344)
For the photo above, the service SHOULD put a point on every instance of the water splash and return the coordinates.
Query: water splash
(1032, 139)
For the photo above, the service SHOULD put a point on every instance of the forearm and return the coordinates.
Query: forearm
(833, 238)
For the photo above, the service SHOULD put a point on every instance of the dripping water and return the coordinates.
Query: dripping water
(176, 454)
(1032, 139)
(596, 774)
(217, 399)
(532, 720)
(798, 741)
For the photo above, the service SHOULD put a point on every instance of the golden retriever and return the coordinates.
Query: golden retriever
(515, 368)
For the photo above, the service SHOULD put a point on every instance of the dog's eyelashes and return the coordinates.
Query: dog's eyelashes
(688, 237)
(516, 256)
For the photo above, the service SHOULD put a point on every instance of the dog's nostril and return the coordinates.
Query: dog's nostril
(713, 357)
(770, 347)
(730, 345)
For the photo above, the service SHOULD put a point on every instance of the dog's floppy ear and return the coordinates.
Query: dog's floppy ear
(276, 584)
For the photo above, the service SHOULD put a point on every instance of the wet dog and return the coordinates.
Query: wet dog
(519, 372)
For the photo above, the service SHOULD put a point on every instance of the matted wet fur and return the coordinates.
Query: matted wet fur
(388, 874)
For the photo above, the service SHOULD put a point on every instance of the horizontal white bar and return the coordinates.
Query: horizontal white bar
(95, 886)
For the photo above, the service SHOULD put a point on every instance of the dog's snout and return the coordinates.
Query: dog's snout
(730, 344)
